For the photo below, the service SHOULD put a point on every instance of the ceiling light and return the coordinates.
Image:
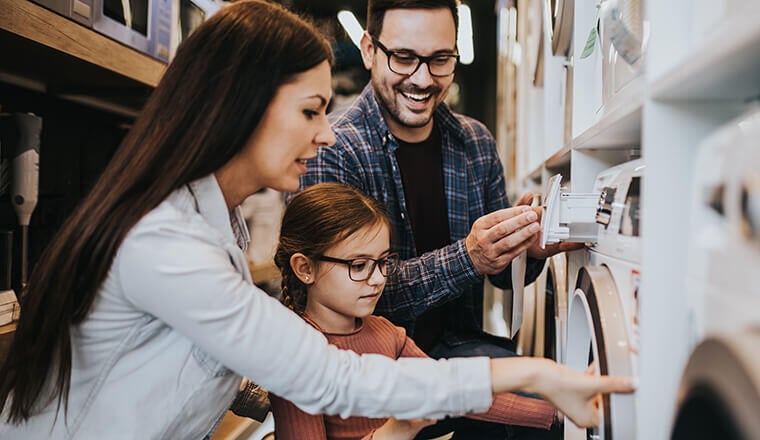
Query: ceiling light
(349, 22)
(464, 39)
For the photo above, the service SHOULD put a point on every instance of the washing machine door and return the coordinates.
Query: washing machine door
(527, 335)
(596, 334)
(551, 309)
(719, 397)
(543, 300)
(555, 308)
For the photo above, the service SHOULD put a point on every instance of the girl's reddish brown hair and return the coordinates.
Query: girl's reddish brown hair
(316, 219)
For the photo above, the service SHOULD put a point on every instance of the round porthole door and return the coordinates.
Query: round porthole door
(596, 336)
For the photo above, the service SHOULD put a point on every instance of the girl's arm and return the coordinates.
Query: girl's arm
(572, 391)
(507, 408)
(290, 423)
(513, 409)
(398, 429)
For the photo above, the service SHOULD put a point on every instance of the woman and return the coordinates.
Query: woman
(142, 318)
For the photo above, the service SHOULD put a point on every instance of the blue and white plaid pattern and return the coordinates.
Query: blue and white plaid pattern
(473, 183)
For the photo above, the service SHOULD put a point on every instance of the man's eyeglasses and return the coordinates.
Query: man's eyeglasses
(361, 269)
(404, 62)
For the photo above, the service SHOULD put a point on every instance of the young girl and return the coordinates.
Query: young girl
(335, 255)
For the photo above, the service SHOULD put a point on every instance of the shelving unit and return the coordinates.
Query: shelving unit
(43, 57)
(702, 67)
(723, 65)
(50, 53)
(5, 339)
(698, 82)
(233, 427)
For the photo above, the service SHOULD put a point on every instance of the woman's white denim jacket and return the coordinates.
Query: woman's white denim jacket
(178, 312)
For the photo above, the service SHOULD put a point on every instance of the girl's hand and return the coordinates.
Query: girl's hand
(401, 429)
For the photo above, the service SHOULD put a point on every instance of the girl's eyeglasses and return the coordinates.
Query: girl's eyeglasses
(361, 269)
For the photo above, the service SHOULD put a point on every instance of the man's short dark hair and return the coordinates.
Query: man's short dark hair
(376, 11)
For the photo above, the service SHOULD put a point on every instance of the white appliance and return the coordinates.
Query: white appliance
(551, 309)
(724, 280)
(719, 397)
(623, 38)
(187, 15)
(723, 374)
(558, 16)
(712, 18)
(602, 322)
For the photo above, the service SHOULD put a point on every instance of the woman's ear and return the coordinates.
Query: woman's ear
(302, 267)
(368, 50)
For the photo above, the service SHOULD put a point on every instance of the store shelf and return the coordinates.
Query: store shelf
(560, 159)
(8, 328)
(534, 176)
(234, 427)
(263, 272)
(617, 128)
(724, 66)
(6, 337)
(62, 57)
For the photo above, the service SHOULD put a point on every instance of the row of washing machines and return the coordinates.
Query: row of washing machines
(584, 308)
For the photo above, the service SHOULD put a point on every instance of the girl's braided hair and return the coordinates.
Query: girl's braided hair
(316, 219)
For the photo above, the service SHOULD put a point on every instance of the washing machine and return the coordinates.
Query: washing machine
(602, 321)
(623, 42)
(719, 395)
(556, 290)
(724, 254)
(543, 314)
(551, 298)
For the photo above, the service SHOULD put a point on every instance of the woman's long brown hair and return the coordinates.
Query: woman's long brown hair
(206, 106)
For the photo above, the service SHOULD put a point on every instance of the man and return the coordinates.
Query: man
(440, 178)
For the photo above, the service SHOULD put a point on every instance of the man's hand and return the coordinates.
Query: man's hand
(498, 237)
(535, 250)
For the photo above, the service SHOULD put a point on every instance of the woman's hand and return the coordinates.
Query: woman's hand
(574, 393)
(400, 429)
(578, 395)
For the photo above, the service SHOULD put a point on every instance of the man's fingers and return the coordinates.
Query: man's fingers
(512, 251)
(514, 233)
(494, 218)
(526, 199)
(565, 246)
(556, 248)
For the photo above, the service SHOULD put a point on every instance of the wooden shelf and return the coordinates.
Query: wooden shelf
(46, 51)
(725, 66)
(234, 427)
(8, 328)
(263, 272)
(533, 177)
(6, 337)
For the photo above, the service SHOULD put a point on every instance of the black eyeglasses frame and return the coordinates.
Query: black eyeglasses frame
(420, 59)
(375, 264)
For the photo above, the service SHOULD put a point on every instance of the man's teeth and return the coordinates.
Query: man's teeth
(417, 97)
